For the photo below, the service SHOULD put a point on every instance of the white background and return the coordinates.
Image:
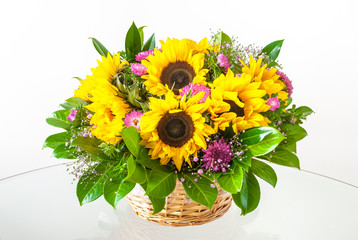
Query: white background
(45, 43)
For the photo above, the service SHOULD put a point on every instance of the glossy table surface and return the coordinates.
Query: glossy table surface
(43, 205)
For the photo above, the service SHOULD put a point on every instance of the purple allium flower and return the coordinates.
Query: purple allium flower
(287, 81)
(217, 156)
(195, 89)
(274, 103)
(143, 55)
(138, 69)
(200, 171)
(195, 179)
(212, 185)
(223, 61)
(72, 115)
(182, 179)
(133, 119)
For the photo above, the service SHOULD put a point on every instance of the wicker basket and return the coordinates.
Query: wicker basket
(179, 209)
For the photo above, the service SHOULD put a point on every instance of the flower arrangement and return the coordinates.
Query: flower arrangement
(206, 115)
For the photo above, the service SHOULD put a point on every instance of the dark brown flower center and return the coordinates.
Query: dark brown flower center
(235, 108)
(175, 129)
(177, 75)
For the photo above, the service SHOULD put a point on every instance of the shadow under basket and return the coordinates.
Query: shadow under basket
(179, 209)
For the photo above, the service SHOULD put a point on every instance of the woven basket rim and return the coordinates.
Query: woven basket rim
(179, 209)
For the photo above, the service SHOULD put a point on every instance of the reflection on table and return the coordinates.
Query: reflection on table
(43, 205)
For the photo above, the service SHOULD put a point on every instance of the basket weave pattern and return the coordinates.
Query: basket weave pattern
(179, 209)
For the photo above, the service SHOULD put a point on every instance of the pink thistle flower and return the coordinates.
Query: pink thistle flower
(138, 69)
(217, 156)
(274, 103)
(143, 55)
(287, 81)
(195, 89)
(72, 115)
(223, 61)
(133, 119)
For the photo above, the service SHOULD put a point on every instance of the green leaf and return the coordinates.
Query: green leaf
(161, 182)
(272, 64)
(231, 182)
(57, 139)
(78, 78)
(88, 144)
(73, 102)
(221, 38)
(243, 161)
(211, 175)
(145, 160)
(157, 203)
(284, 158)
(149, 44)
(90, 185)
(99, 47)
(58, 123)
(61, 115)
(273, 49)
(249, 197)
(76, 102)
(304, 111)
(133, 42)
(293, 132)
(288, 101)
(115, 188)
(264, 171)
(261, 140)
(62, 152)
(200, 191)
(59, 119)
(131, 138)
(136, 172)
(289, 145)
(66, 106)
(141, 34)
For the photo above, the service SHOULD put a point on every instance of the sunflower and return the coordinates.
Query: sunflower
(268, 79)
(174, 67)
(201, 47)
(109, 111)
(107, 107)
(175, 129)
(237, 100)
(105, 71)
